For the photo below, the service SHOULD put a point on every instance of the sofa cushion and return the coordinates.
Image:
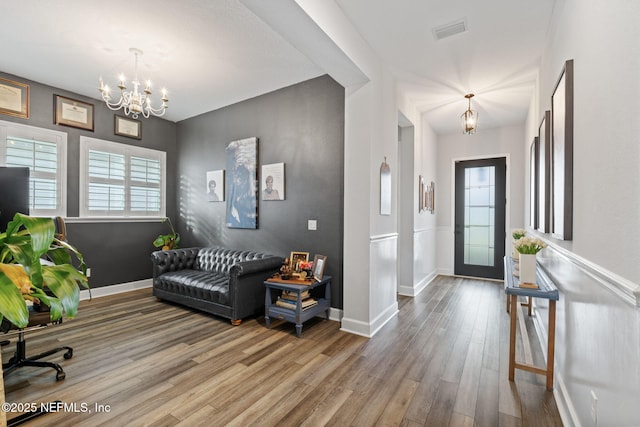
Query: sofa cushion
(197, 284)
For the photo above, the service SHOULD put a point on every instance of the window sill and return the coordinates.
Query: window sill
(106, 219)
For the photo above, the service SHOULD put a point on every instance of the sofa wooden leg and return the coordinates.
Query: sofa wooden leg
(236, 322)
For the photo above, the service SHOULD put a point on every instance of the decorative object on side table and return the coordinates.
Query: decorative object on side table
(285, 270)
(295, 258)
(528, 247)
(167, 241)
(319, 263)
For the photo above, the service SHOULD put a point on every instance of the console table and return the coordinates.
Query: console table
(321, 292)
(547, 290)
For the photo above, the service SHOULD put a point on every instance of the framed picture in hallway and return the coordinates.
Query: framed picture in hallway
(562, 154)
(421, 196)
(543, 165)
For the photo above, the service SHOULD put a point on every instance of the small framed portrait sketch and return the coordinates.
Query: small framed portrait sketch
(215, 186)
(272, 187)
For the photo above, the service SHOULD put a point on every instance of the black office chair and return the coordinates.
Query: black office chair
(39, 318)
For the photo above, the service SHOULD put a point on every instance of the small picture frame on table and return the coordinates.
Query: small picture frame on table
(296, 257)
(14, 98)
(124, 126)
(319, 262)
(71, 112)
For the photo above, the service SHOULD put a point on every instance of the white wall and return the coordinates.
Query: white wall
(598, 323)
(417, 249)
(486, 143)
(370, 239)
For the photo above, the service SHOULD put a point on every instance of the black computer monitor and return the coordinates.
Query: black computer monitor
(14, 193)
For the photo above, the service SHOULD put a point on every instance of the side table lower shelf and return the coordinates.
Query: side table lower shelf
(297, 315)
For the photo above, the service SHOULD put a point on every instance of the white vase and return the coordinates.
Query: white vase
(528, 268)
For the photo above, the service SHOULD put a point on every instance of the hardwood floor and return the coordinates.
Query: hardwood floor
(442, 361)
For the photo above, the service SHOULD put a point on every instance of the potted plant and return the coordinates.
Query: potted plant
(24, 276)
(528, 247)
(167, 241)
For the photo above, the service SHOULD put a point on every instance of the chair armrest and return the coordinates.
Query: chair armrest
(173, 260)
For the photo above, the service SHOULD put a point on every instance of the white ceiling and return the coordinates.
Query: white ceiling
(212, 53)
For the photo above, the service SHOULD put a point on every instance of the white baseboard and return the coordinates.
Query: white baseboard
(368, 330)
(115, 289)
(414, 291)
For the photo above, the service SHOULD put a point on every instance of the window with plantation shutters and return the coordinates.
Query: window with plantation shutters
(119, 180)
(44, 152)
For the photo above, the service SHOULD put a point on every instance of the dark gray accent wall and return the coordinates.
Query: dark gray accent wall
(301, 126)
(117, 252)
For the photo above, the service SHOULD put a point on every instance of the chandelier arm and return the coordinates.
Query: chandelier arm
(156, 111)
(113, 105)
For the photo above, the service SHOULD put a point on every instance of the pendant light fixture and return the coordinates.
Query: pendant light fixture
(469, 118)
(136, 101)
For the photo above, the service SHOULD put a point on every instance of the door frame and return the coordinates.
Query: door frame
(507, 212)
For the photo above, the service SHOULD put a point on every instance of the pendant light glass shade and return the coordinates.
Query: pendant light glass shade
(469, 118)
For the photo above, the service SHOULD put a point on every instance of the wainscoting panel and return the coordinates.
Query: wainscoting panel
(424, 262)
(383, 281)
(382, 297)
(597, 341)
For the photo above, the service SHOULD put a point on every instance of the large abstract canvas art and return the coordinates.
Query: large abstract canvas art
(241, 183)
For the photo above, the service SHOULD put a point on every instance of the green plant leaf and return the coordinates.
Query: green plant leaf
(12, 304)
(41, 231)
(63, 282)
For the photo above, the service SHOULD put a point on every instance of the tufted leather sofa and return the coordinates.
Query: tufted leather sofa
(227, 283)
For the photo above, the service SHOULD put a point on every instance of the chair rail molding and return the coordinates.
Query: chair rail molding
(624, 288)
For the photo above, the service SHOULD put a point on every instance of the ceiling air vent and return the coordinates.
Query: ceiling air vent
(449, 30)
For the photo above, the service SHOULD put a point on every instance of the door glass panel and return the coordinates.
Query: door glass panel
(479, 209)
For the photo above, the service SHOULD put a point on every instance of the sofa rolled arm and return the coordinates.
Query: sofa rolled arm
(256, 265)
(173, 260)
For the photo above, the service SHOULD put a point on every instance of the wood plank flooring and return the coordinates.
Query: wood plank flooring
(442, 361)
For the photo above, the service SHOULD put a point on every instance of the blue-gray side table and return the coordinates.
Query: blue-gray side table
(547, 290)
(320, 291)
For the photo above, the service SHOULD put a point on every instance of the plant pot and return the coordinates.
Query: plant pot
(528, 268)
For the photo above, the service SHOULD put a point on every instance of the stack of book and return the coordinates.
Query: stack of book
(289, 300)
